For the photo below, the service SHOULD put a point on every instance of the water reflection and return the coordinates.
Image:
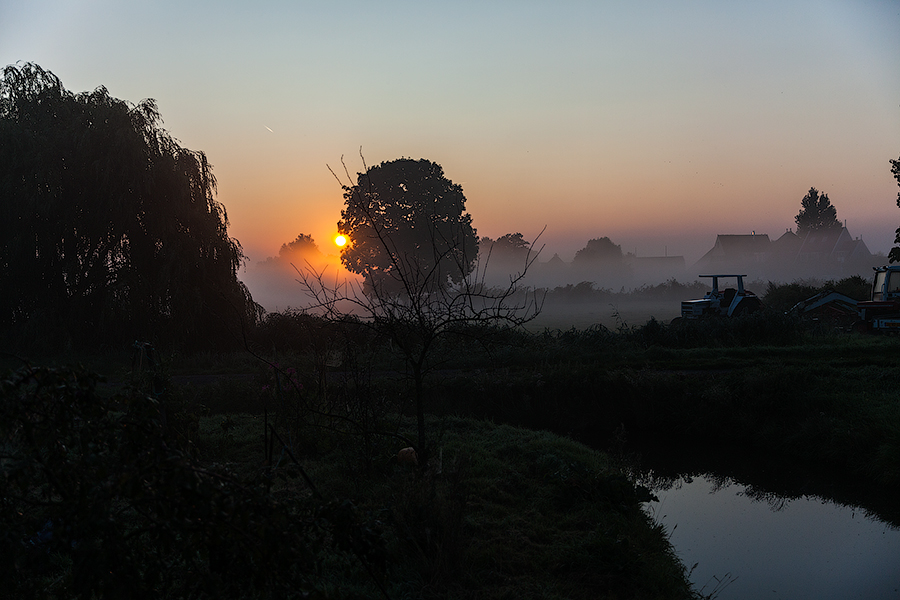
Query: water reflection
(750, 543)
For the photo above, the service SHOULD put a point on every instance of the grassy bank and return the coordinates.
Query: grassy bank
(108, 496)
(501, 512)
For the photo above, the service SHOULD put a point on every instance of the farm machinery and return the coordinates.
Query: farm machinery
(728, 302)
(879, 314)
(882, 312)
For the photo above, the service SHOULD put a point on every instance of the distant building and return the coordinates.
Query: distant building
(832, 244)
(828, 254)
(734, 252)
(787, 246)
(550, 274)
(556, 263)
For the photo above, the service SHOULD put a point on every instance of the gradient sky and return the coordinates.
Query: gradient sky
(658, 124)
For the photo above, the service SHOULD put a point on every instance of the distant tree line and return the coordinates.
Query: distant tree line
(109, 229)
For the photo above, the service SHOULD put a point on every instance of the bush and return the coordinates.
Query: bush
(101, 503)
(765, 327)
(782, 296)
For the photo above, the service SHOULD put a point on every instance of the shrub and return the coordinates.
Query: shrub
(101, 503)
(766, 327)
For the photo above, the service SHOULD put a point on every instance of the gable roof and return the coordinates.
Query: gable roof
(851, 249)
(741, 244)
(555, 261)
(788, 245)
(736, 247)
(822, 242)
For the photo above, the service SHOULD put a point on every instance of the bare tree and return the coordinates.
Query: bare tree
(415, 307)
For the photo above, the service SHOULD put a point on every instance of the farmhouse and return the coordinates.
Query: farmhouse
(832, 253)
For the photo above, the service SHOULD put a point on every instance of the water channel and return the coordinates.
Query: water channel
(750, 544)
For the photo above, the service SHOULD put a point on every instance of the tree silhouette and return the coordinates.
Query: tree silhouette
(599, 250)
(302, 245)
(512, 243)
(109, 229)
(508, 255)
(301, 250)
(406, 223)
(894, 255)
(512, 247)
(816, 213)
(422, 286)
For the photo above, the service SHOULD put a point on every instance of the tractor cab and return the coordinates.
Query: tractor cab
(886, 287)
(882, 312)
(728, 302)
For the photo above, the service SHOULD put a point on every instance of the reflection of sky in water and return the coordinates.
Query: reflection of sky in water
(806, 550)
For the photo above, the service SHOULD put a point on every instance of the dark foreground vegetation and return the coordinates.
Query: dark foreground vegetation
(273, 472)
(132, 496)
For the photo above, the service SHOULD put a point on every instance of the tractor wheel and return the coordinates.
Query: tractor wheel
(675, 321)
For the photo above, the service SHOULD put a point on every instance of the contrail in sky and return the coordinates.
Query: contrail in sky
(269, 128)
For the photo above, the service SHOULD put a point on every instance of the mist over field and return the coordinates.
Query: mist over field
(613, 294)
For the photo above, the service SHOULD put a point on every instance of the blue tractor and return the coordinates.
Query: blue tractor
(728, 302)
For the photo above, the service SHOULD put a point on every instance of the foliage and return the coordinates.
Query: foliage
(765, 327)
(406, 223)
(110, 230)
(894, 255)
(583, 291)
(99, 502)
(514, 243)
(503, 512)
(784, 296)
(816, 212)
(599, 249)
(854, 286)
(671, 290)
(416, 248)
(304, 248)
(554, 519)
(510, 250)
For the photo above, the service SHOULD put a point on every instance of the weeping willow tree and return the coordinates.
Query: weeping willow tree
(109, 229)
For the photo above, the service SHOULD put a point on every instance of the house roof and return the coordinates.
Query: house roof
(555, 260)
(788, 244)
(735, 247)
(740, 244)
(852, 248)
(824, 241)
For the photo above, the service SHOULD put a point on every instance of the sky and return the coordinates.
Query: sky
(658, 124)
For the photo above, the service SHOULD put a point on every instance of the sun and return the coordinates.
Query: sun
(340, 240)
